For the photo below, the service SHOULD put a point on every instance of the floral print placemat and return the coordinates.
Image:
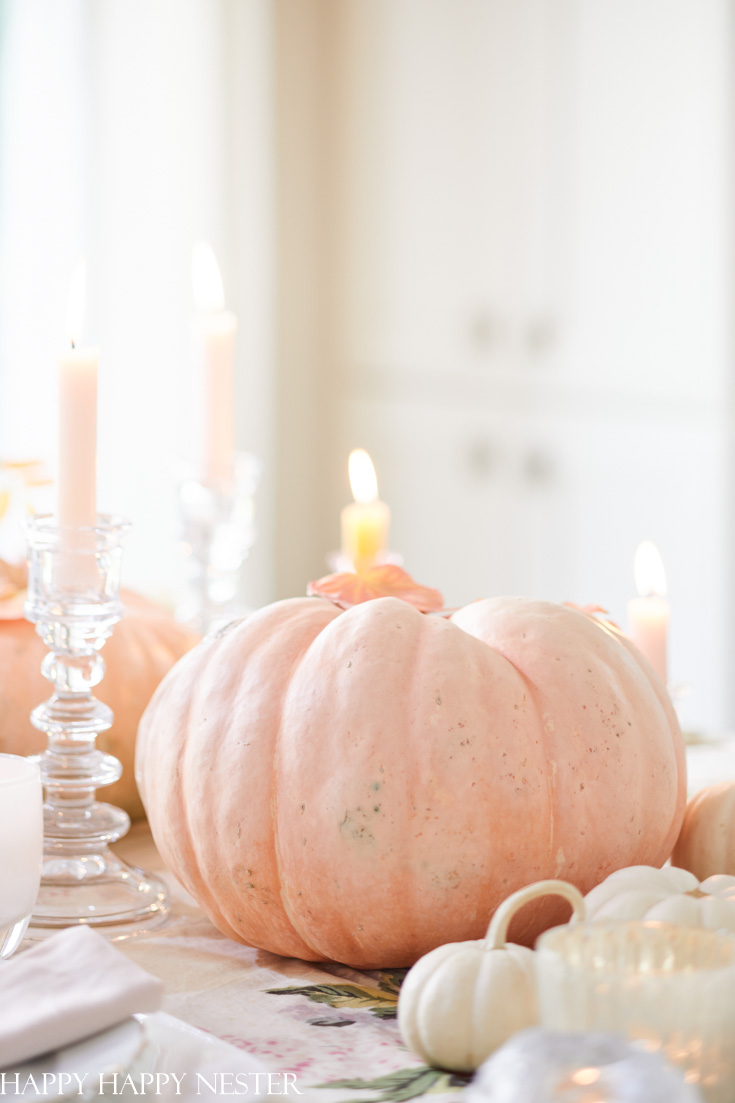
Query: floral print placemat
(333, 1028)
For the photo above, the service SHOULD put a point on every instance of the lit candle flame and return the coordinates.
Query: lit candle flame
(77, 298)
(206, 278)
(362, 476)
(650, 577)
(585, 1076)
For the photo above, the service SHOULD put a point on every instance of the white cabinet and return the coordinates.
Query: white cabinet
(652, 121)
(530, 321)
(447, 148)
(534, 187)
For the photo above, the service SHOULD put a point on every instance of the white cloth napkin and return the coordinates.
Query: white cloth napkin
(64, 989)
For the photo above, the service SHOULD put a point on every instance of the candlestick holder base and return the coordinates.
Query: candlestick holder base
(339, 563)
(73, 599)
(218, 531)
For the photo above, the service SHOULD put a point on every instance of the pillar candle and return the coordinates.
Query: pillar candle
(648, 614)
(214, 335)
(365, 521)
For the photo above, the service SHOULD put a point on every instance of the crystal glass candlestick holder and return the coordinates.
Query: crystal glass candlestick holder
(218, 529)
(73, 600)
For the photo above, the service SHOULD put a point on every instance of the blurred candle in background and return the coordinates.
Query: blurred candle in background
(365, 521)
(77, 455)
(214, 335)
(648, 614)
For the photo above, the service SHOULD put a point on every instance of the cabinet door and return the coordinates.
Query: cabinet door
(492, 503)
(651, 181)
(444, 147)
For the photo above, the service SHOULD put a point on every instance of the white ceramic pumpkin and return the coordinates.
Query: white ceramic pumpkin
(672, 895)
(461, 1001)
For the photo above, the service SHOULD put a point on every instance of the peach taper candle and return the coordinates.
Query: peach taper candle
(648, 614)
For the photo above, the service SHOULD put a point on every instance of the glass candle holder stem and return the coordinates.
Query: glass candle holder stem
(72, 769)
(218, 530)
(73, 600)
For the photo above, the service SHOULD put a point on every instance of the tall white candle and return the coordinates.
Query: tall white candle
(77, 456)
(214, 334)
(648, 614)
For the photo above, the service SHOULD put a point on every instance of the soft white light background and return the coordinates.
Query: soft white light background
(487, 240)
(114, 135)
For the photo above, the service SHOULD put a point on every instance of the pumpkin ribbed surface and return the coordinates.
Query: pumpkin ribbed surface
(366, 785)
(706, 843)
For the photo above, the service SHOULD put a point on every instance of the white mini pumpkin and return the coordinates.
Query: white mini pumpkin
(672, 895)
(461, 1001)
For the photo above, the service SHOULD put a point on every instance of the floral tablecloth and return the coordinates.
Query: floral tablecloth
(332, 1027)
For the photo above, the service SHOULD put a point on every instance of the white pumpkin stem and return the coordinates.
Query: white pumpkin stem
(498, 929)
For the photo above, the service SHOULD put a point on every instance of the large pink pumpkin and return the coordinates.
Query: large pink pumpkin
(362, 786)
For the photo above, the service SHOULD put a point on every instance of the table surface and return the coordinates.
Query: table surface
(333, 1027)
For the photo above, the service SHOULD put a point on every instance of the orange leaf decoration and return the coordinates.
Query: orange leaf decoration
(389, 580)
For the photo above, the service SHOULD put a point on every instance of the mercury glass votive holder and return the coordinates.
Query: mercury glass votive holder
(73, 600)
(21, 847)
(217, 521)
(671, 989)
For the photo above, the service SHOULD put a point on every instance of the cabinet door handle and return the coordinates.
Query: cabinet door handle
(539, 468)
(482, 458)
(485, 332)
(540, 337)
